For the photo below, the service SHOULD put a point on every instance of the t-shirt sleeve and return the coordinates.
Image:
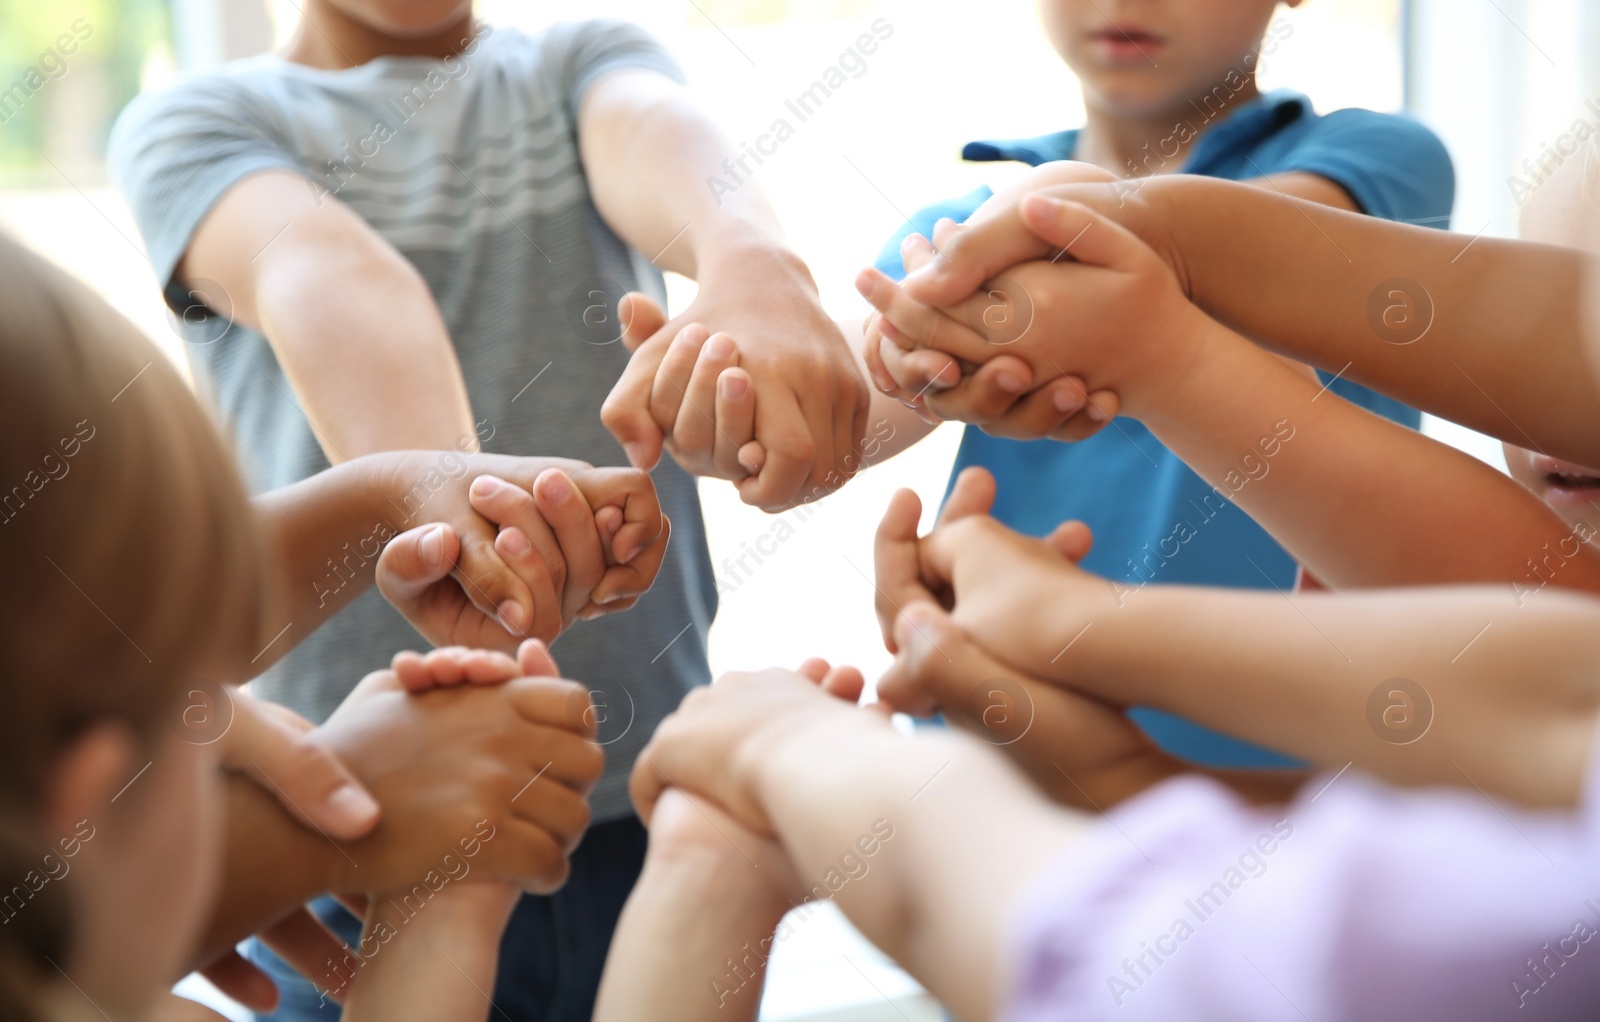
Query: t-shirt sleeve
(1356, 901)
(577, 54)
(921, 222)
(175, 152)
(1392, 166)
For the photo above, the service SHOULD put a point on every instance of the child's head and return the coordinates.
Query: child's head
(130, 572)
(1142, 58)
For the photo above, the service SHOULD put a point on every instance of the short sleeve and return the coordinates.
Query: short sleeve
(175, 152)
(1392, 166)
(577, 54)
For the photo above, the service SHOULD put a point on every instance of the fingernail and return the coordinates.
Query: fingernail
(1011, 383)
(864, 283)
(352, 805)
(515, 543)
(511, 615)
(1066, 401)
(1097, 413)
(554, 488)
(635, 452)
(432, 547)
(486, 486)
(719, 347)
(734, 387)
(629, 552)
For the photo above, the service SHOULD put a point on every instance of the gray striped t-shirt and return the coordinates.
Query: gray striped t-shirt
(470, 168)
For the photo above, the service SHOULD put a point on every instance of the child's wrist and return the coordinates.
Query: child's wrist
(1190, 354)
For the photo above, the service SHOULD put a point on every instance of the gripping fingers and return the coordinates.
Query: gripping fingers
(695, 435)
(985, 396)
(920, 372)
(667, 403)
(910, 324)
(577, 534)
(736, 425)
(526, 543)
(623, 584)
(626, 506)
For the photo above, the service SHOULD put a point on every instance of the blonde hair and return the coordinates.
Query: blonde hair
(129, 557)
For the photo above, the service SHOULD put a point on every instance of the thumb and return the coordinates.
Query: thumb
(272, 746)
(972, 494)
(641, 318)
(1072, 540)
(534, 660)
(415, 560)
(626, 410)
(976, 691)
(1081, 233)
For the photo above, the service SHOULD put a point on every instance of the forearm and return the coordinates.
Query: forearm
(436, 962)
(687, 918)
(633, 119)
(941, 890)
(324, 534)
(1504, 351)
(1359, 500)
(1509, 685)
(367, 354)
(270, 865)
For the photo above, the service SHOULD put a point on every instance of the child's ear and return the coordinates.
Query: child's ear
(87, 775)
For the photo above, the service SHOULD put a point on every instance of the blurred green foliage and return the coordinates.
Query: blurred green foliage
(110, 60)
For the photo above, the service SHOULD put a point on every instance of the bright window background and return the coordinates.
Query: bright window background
(1494, 76)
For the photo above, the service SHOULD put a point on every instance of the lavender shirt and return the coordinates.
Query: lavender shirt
(1357, 901)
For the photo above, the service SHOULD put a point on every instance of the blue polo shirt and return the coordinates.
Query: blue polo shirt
(1154, 519)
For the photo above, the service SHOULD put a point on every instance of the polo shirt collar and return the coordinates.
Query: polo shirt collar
(1244, 128)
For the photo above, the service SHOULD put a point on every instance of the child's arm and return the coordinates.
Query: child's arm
(812, 398)
(1504, 695)
(329, 532)
(1358, 500)
(436, 964)
(1483, 331)
(436, 961)
(360, 339)
(900, 834)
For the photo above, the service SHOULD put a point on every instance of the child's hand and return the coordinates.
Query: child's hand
(1084, 752)
(999, 395)
(564, 557)
(1113, 314)
(805, 393)
(1008, 591)
(714, 744)
(454, 665)
(503, 767)
(628, 511)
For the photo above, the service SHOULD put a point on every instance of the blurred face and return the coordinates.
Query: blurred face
(1563, 212)
(1572, 490)
(1145, 57)
(405, 19)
